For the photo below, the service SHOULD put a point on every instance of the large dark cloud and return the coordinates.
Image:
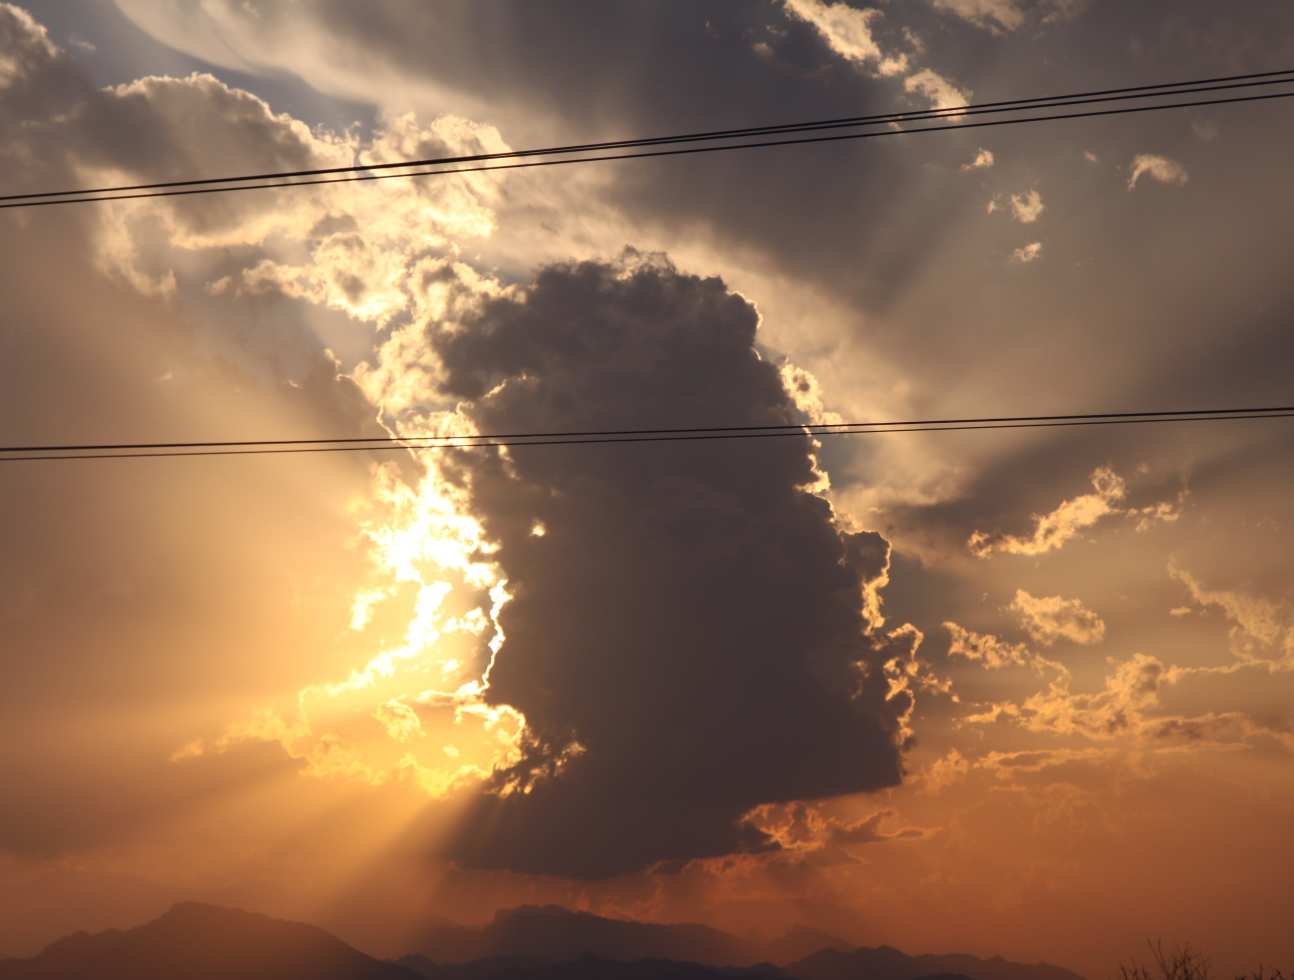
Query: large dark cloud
(692, 617)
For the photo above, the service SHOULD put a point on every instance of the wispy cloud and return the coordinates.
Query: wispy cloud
(1027, 208)
(1027, 253)
(1050, 618)
(1157, 168)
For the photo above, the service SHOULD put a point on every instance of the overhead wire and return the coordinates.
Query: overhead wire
(1148, 91)
(13, 454)
(673, 430)
(365, 172)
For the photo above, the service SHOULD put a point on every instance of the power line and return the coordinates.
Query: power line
(1138, 91)
(613, 437)
(360, 173)
(794, 427)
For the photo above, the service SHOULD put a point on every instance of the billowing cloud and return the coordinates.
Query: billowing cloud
(365, 608)
(688, 639)
(1050, 618)
(1157, 168)
(982, 161)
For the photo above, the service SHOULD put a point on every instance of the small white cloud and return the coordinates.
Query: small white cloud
(942, 93)
(848, 32)
(1027, 208)
(983, 160)
(1091, 157)
(1027, 253)
(1158, 168)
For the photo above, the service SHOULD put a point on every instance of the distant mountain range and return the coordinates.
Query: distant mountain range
(552, 934)
(205, 942)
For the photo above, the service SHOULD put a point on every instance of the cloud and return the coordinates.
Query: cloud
(1262, 629)
(950, 768)
(690, 638)
(1026, 254)
(986, 649)
(1052, 531)
(1119, 708)
(194, 327)
(942, 93)
(1160, 512)
(994, 15)
(1005, 766)
(848, 32)
(1130, 706)
(1027, 208)
(1157, 168)
(1050, 618)
(993, 653)
(805, 832)
(24, 46)
(983, 160)
(1059, 11)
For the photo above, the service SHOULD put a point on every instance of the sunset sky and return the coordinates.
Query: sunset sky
(1024, 692)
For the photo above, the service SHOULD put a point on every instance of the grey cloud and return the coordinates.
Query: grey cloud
(692, 620)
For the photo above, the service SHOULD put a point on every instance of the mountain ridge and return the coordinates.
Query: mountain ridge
(197, 941)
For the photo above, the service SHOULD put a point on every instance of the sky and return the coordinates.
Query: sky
(1027, 693)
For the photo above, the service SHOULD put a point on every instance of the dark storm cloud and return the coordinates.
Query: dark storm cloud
(691, 618)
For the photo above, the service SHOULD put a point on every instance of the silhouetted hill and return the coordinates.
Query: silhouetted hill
(552, 934)
(204, 942)
(585, 968)
(799, 942)
(887, 963)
